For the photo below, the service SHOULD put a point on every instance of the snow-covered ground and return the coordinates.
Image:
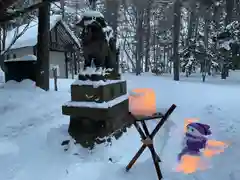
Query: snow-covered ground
(32, 128)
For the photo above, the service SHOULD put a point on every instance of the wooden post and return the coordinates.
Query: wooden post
(75, 64)
(176, 34)
(55, 74)
(42, 77)
(72, 65)
(66, 65)
(164, 57)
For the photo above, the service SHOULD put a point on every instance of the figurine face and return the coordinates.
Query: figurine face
(193, 131)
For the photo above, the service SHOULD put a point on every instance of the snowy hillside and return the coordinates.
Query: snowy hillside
(32, 129)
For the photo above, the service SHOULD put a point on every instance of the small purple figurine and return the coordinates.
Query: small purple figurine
(195, 139)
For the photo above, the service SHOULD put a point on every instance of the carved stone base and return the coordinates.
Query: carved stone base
(96, 112)
(88, 131)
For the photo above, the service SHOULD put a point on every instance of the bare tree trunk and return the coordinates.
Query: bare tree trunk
(168, 58)
(206, 29)
(192, 21)
(228, 20)
(3, 36)
(4, 31)
(62, 3)
(164, 59)
(111, 14)
(176, 33)
(237, 6)
(158, 54)
(93, 4)
(54, 69)
(139, 40)
(148, 35)
(154, 47)
(42, 77)
(171, 58)
(72, 65)
(229, 11)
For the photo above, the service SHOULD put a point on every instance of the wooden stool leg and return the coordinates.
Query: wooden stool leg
(144, 125)
(155, 161)
(134, 159)
(158, 158)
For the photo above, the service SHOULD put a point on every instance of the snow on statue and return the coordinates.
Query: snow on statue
(98, 42)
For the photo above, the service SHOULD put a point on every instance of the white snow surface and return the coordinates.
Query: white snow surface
(95, 84)
(33, 127)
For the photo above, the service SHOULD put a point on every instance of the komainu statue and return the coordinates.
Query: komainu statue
(98, 42)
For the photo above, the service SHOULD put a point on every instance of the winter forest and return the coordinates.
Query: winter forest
(159, 36)
(119, 89)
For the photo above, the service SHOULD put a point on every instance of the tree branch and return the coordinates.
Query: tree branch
(18, 13)
(16, 36)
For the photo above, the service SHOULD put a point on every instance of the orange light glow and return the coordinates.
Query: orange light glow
(214, 147)
(144, 103)
(190, 164)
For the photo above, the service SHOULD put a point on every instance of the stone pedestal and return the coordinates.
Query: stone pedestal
(97, 109)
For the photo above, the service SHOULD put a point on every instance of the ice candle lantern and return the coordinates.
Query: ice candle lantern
(142, 102)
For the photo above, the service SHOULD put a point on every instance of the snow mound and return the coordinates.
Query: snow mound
(25, 84)
(10, 83)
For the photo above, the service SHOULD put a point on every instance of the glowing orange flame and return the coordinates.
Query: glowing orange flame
(214, 147)
(144, 103)
(189, 164)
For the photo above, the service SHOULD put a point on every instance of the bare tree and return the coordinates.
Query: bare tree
(176, 32)
(15, 35)
(147, 34)
(139, 40)
(206, 36)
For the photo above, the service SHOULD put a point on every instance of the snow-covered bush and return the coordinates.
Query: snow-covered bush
(228, 42)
